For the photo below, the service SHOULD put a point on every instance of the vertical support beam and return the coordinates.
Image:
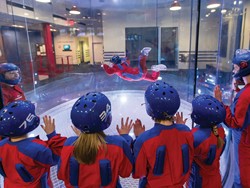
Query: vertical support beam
(197, 44)
(51, 65)
(159, 44)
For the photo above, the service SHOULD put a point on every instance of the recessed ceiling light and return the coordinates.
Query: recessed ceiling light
(175, 6)
(213, 4)
(74, 10)
(223, 11)
(44, 1)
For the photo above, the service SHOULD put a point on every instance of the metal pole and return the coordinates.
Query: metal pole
(197, 44)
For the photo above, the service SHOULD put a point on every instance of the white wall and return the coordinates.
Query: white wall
(245, 40)
(115, 23)
(73, 41)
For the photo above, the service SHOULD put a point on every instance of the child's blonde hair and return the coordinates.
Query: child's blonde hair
(87, 145)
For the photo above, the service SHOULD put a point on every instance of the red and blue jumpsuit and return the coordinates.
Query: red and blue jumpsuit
(163, 156)
(128, 73)
(205, 171)
(11, 93)
(114, 161)
(27, 163)
(238, 119)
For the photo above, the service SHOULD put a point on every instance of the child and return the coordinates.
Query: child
(163, 154)
(238, 119)
(25, 162)
(121, 67)
(10, 78)
(94, 159)
(209, 137)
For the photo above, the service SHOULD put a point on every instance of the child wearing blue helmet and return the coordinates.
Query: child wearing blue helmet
(10, 79)
(94, 159)
(163, 154)
(209, 137)
(26, 161)
(238, 118)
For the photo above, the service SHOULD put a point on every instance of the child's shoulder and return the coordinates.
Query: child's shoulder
(114, 138)
(3, 141)
(182, 127)
(148, 134)
(70, 140)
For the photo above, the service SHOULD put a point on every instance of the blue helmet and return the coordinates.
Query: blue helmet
(92, 113)
(18, 118)
(116, 59)
(207, 111)
(6, 67)
(242, 59)
(162, 100)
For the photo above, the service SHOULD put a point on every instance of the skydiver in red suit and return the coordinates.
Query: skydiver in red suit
(238, 119)
(121, 67)
(93, 159)
(9, 80)
(164, 154)
(209, 137)
(26, 161)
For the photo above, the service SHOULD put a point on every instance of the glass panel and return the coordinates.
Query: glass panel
(61, 55)
(169, 46)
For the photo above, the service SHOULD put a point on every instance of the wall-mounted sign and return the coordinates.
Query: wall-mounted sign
(40, 50)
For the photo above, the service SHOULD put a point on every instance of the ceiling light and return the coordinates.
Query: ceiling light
(175, 6)
(213, 4)
(74, 10)
(223, 11)
(19, 26)
(44, 1)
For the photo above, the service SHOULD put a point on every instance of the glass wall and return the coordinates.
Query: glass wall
(60, 54)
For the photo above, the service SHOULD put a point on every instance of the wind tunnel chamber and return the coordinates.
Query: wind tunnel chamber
(61, 55)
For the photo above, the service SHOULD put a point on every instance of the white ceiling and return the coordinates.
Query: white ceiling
(88, 8)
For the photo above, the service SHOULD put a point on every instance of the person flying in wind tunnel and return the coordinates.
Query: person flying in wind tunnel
(238, 119)
(26, 161)
(163, 154)
(10, 79)
(209, 137)
(94, 159)
(121, 67)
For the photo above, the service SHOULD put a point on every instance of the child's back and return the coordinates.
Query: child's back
(94, 159)
(25, 162)
(173, 168)
(163, 154)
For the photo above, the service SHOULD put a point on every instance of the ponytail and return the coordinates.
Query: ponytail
(87, 145)
(220, 141)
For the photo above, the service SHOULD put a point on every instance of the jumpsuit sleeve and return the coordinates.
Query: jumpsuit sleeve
(55, 143)
(127, 162)
(110, 70)
(240, 112)
(128, 138)
(48, 152)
